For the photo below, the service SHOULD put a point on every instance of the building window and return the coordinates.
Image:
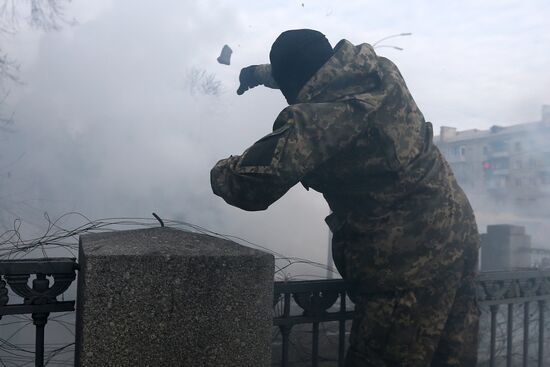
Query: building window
(517, 146)
(544, 178)
(498, 146)
(500, 163)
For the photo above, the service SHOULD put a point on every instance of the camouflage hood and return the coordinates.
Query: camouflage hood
(351, 71)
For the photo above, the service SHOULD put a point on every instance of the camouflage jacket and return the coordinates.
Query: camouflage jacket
(357, 136)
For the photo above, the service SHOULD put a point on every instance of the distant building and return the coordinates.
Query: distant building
(503, 166)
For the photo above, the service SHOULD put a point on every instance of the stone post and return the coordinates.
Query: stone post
(166, 297)
(505, 247)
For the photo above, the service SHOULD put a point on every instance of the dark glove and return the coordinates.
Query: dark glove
(248, 79)
(254, 75)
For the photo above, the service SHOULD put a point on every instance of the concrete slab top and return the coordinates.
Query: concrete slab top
(505, 229)
(162, 242)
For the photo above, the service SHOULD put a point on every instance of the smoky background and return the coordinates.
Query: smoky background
(107, 115)
(108, 120)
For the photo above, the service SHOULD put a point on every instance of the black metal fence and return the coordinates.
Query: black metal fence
(315, 300)
(527, 291)
(313, 303)
(37, 283)
(513, 333)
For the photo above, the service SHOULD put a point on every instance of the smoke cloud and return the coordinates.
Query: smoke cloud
(106, 125)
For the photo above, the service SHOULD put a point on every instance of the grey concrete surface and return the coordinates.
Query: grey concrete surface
(166, 297)
(505, 247)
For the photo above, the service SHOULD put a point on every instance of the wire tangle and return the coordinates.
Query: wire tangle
(58, 235)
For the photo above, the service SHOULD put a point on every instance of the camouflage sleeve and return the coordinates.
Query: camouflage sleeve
(400, 121)
(305, 136)
(263, 76)
(245, 191)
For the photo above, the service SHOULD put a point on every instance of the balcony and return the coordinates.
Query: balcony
(498, 154)
(501, 171)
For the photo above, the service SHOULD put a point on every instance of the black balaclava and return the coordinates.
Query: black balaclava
(295, 57)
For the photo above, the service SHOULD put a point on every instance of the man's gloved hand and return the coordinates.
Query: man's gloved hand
(248, 79)
(254, 75)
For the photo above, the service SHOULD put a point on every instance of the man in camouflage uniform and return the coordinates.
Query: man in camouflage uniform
(403, 230)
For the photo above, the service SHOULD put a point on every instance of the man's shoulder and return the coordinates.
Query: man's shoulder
(313, 115)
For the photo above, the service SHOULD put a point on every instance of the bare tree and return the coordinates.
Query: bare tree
(45, 15)
(8, 73)
(198, 81)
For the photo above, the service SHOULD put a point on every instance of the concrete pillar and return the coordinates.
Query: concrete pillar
(505, 247)
(165, 297)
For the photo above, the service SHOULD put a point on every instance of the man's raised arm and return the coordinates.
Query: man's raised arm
(306, 135)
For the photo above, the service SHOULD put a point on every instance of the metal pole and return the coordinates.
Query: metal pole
(40, 320)
(526, 334)
(494, 310)
(342, 332)
(509, 334)
(41, 285)
(315, 346)
(285, 333)
(542, 305)
(285, 330)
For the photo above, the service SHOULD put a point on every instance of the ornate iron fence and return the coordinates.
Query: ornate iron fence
(513, 289)
(315, 299)
(49, 277)
(322, 301)
(37, 283)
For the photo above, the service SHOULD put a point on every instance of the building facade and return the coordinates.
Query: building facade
(503, 167)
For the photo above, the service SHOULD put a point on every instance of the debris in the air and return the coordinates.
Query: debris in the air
(225, 56)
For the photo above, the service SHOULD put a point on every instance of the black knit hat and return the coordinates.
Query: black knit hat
(295, 57)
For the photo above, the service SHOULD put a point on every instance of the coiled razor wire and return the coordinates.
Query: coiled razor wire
(57, 235)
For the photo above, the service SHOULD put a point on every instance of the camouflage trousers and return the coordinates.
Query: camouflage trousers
(433, 326)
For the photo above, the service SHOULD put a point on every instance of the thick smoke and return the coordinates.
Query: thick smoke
(106, 124)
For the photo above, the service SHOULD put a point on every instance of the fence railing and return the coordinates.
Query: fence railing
(313, 302)
(37, 283)
(315, 299)
(514, 288)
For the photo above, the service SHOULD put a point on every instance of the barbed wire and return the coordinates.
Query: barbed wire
(59, 235)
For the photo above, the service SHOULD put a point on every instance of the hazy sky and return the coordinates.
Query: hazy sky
(105, 124)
